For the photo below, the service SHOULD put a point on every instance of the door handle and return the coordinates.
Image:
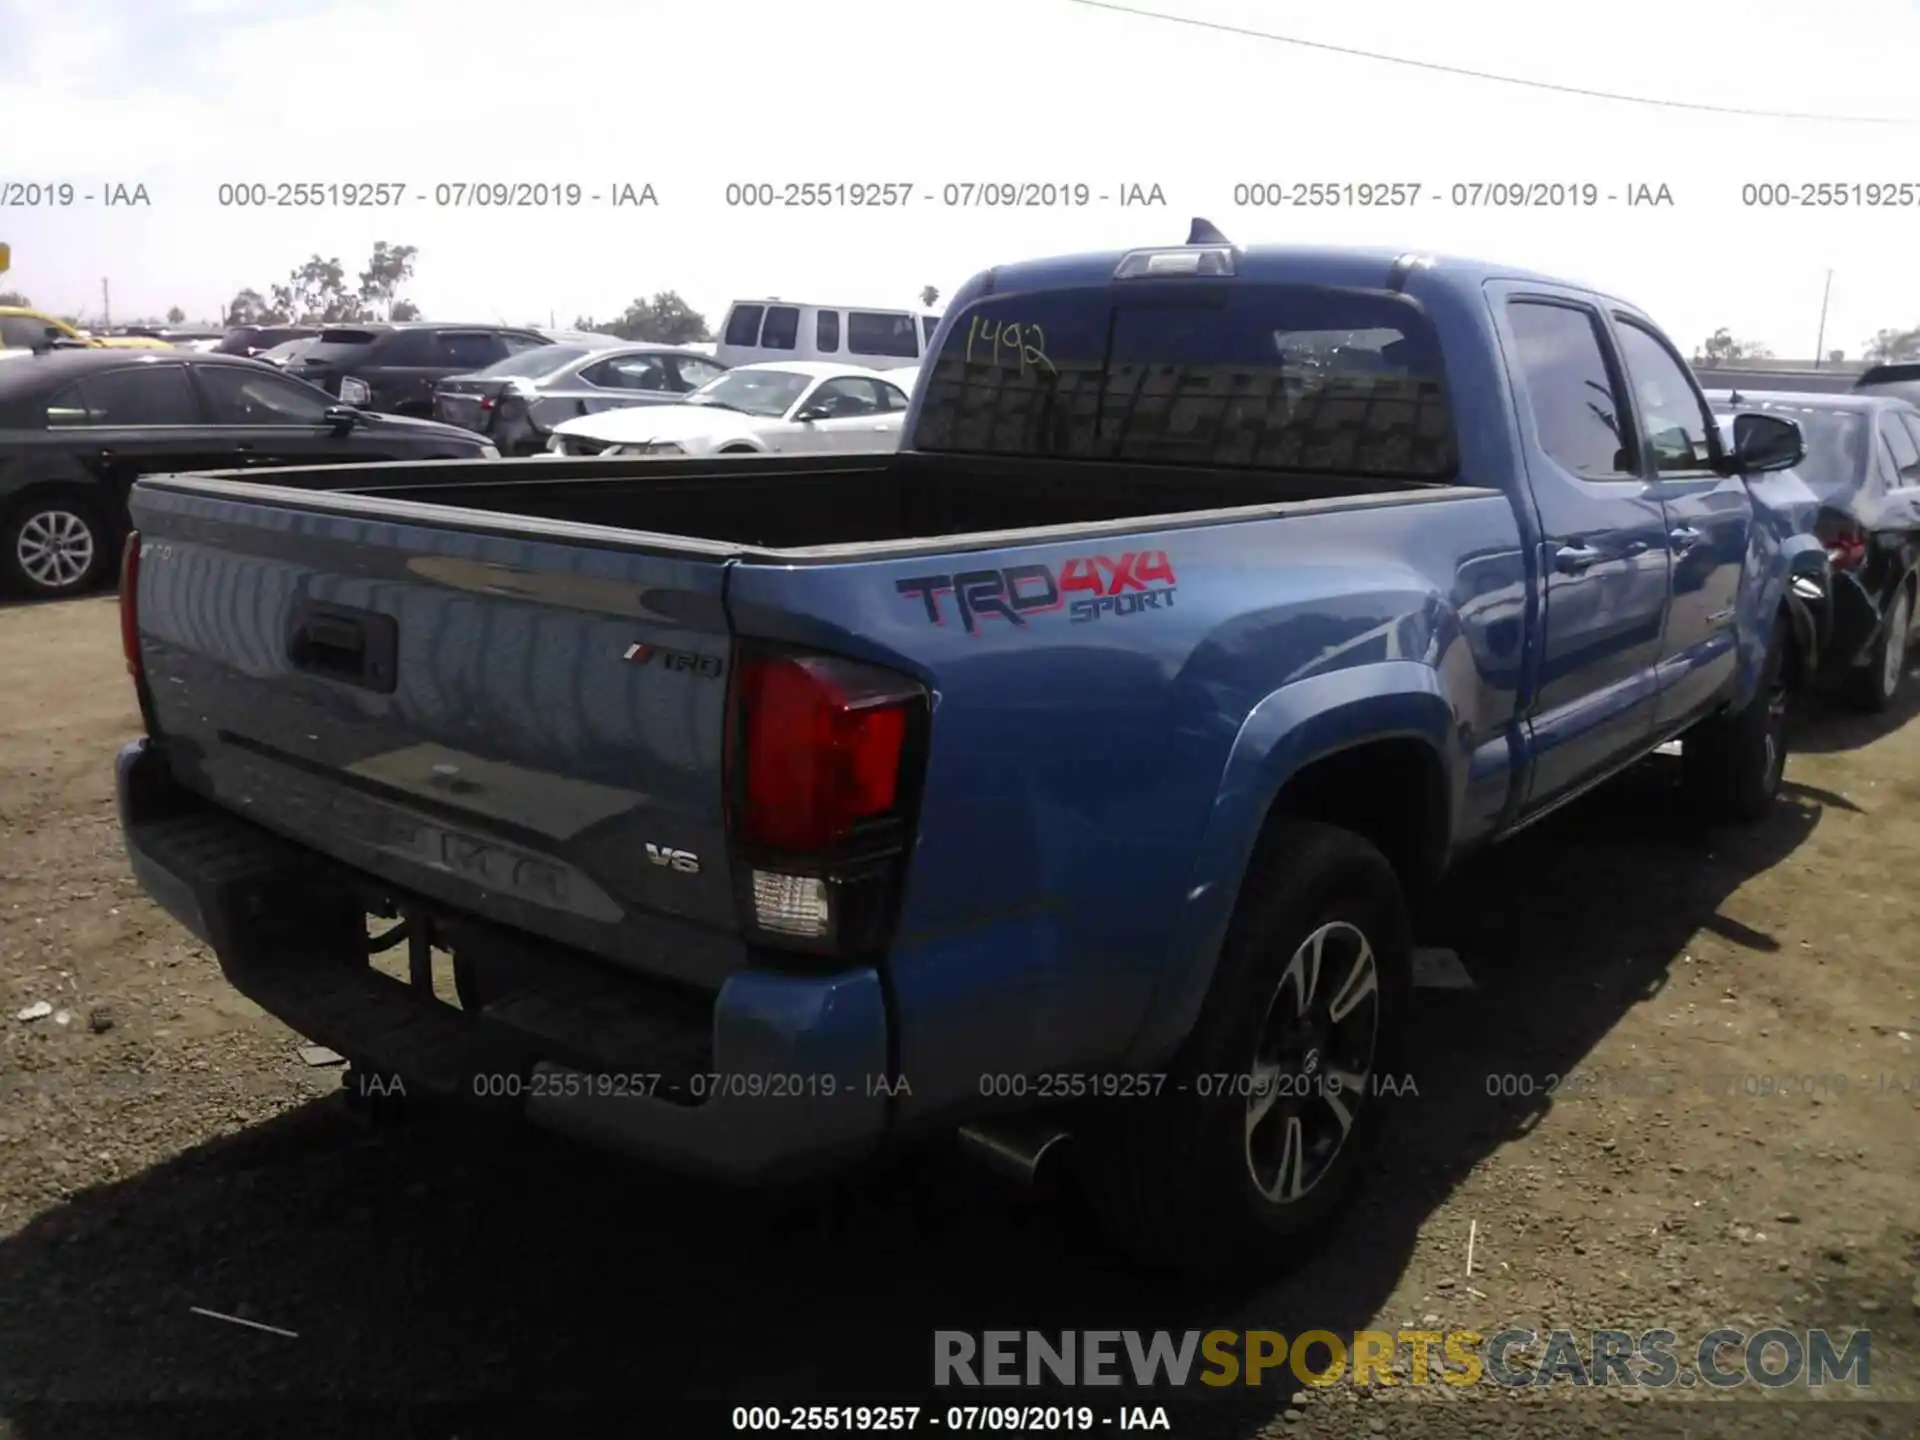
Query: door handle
(1684, 539)
(1572, 559)
(356, 647)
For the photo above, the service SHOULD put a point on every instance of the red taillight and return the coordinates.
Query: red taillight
(820, 750)
(130, 603)
(489, 402)
(1846, 542)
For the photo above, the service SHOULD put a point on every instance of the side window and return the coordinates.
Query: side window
(782, 330)
(1906, 453)
(21, 332)
(876, 333)
(1675, 419)
(892, 397)
(238, 396)
(826, 332)
(846, 398)
(743, 325)
(410, 349)
(1570, 393)
(469, 349)
(69, 407)
(1886, 470)
(520, 344)
(1912, 422)
(629, 372)
(695, 372)
(148, 395)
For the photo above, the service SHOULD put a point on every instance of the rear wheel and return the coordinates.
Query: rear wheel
(53, 544)
(1875, 684)
(1732, 765)
(1272, 1110)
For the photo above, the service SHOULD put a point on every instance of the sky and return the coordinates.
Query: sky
(940, 98)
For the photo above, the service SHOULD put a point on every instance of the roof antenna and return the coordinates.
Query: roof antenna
(1204, 233)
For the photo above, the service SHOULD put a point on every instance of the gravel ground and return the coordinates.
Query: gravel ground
(1734, 1144)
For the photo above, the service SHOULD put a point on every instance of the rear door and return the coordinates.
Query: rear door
(1709, 522)
(1603, 539)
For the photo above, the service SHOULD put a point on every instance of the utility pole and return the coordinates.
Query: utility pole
(106, 306)
(1820, 344)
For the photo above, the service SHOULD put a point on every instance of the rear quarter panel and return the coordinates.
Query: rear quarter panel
(1078, 766)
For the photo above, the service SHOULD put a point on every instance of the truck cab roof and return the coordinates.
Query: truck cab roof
(1368, 268)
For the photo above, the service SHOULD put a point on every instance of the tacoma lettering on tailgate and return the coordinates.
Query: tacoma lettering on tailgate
(1088, 588)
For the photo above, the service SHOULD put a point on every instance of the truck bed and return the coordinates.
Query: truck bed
(806, 502)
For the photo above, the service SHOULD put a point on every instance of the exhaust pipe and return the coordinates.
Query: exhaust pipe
(1014, 1147)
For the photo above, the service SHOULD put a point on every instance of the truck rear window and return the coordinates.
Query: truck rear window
(1266, 377)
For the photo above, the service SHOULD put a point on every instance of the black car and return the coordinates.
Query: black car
(78, 427)
(252, 339)
(1863, 464)
(393, 367)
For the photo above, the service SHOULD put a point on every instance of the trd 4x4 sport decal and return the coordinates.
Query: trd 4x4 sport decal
(1088, 588)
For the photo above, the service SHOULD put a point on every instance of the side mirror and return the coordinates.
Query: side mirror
(1766, 442)
(342, 418)
(812, 413)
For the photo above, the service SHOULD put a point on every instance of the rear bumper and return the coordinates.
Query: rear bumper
(777, 1075)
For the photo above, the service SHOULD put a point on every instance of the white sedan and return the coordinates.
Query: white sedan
(770, 408)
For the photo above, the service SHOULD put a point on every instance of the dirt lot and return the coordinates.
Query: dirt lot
(1739, 1145)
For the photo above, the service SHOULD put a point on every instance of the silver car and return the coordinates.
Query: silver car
(517, 402)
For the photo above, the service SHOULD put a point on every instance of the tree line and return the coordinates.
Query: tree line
(1887, 347)
(317, 292)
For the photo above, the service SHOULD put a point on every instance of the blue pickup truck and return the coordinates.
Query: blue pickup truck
(1073, 772)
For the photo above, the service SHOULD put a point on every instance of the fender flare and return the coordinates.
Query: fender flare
(1294, 727)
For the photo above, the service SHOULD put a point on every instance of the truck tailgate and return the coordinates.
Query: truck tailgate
(507, 720)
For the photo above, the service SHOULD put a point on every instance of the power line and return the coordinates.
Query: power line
(1461, 70)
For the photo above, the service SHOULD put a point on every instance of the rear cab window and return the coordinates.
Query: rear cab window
(1284, 377)
(826, 332)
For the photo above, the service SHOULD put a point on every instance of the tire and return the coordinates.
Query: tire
(1874, 685)
(1731, 766)
(1188, 1179)
(53, 544)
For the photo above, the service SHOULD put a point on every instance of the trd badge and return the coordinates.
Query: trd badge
(707, 667)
